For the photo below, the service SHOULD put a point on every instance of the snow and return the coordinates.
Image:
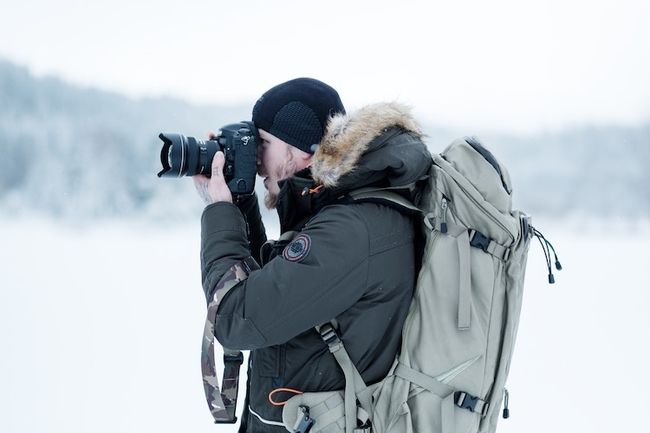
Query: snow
(101, 331)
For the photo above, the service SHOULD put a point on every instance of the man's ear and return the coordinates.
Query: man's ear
(304, 157)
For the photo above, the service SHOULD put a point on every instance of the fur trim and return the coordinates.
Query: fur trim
(347, 137)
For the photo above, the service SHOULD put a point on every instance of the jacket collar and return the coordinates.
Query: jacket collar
(346, 139)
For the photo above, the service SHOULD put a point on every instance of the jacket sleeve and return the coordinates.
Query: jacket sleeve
(224, 243)
(294, 292)
(250, 208)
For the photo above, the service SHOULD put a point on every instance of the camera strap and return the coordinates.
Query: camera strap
(222, 399)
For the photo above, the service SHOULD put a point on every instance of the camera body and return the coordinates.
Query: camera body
(188, 156)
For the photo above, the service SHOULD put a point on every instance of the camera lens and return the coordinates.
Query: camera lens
(172, 155)
(185, 156)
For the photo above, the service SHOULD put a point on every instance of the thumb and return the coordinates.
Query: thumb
(217, 164)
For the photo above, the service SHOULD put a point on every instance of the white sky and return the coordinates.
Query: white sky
(503, 64)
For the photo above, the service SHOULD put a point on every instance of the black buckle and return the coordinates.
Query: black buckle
(465, 400)
(304, 424)
(469, 402)
(328, 334)
(479, 240)
(237, 358)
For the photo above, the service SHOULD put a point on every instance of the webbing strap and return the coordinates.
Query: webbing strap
(222, 400)
(464, 281)
(384, 194)
(498, 251)
(350, 398)
(471, 403)
(422, 380)
(450, 398)
(350, 402)
(355, 387)
(445, 392)
(447, 420)
(490, 246)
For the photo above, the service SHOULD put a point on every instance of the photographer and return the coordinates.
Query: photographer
(352, 262)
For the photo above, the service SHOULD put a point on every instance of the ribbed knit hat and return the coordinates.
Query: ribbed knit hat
(297, 111)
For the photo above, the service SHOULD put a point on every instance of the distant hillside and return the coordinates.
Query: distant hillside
(73, 152)
(79, 153)
(597, 171)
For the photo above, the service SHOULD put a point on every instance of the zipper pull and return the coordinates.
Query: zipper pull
(506, 397)
(443, 216)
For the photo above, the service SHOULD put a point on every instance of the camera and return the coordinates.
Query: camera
(188, 156)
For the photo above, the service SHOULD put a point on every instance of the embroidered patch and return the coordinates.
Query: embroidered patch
(297, 249)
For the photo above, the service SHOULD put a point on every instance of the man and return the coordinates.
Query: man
(353, 262)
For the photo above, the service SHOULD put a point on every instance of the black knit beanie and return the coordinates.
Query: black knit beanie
(297, 111)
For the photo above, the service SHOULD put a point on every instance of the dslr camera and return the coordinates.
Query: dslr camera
(188, 156)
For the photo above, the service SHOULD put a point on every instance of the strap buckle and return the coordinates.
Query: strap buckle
(330, 337)
(304, 423)
(471, 403)
(479, 240)
(236, 358)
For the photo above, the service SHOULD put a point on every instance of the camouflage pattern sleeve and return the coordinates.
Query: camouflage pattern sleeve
(222, 401)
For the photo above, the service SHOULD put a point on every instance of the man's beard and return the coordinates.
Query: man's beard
(270, 200)
(287, 170)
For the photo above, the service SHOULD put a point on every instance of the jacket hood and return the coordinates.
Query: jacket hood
(378, 141)
(380, 145)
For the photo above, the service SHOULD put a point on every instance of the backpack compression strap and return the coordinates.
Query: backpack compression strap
(450, 398)
(222, 401)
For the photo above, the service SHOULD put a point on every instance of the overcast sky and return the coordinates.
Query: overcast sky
(505, 64)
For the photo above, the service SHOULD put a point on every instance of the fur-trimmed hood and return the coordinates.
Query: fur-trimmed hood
(382, 137)
(379, 145)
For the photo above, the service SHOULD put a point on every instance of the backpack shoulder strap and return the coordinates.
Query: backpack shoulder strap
(355, 387)
(385, 196)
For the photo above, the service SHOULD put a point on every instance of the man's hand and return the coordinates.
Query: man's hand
(213, 189)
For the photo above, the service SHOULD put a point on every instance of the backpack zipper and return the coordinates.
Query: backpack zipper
(478, 205)
(443, 215)
(506, 397)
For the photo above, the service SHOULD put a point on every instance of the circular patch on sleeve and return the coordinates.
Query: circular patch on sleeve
(297, 249)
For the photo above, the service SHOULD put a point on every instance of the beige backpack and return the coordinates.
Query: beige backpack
(459, 335)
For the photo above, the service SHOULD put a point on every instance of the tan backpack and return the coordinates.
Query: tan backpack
(459, 335)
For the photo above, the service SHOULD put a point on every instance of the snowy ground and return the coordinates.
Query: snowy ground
(101, 329)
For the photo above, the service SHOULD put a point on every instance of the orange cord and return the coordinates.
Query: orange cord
(315, 190)
(281, 403)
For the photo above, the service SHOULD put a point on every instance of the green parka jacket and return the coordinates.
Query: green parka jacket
(353, 262)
